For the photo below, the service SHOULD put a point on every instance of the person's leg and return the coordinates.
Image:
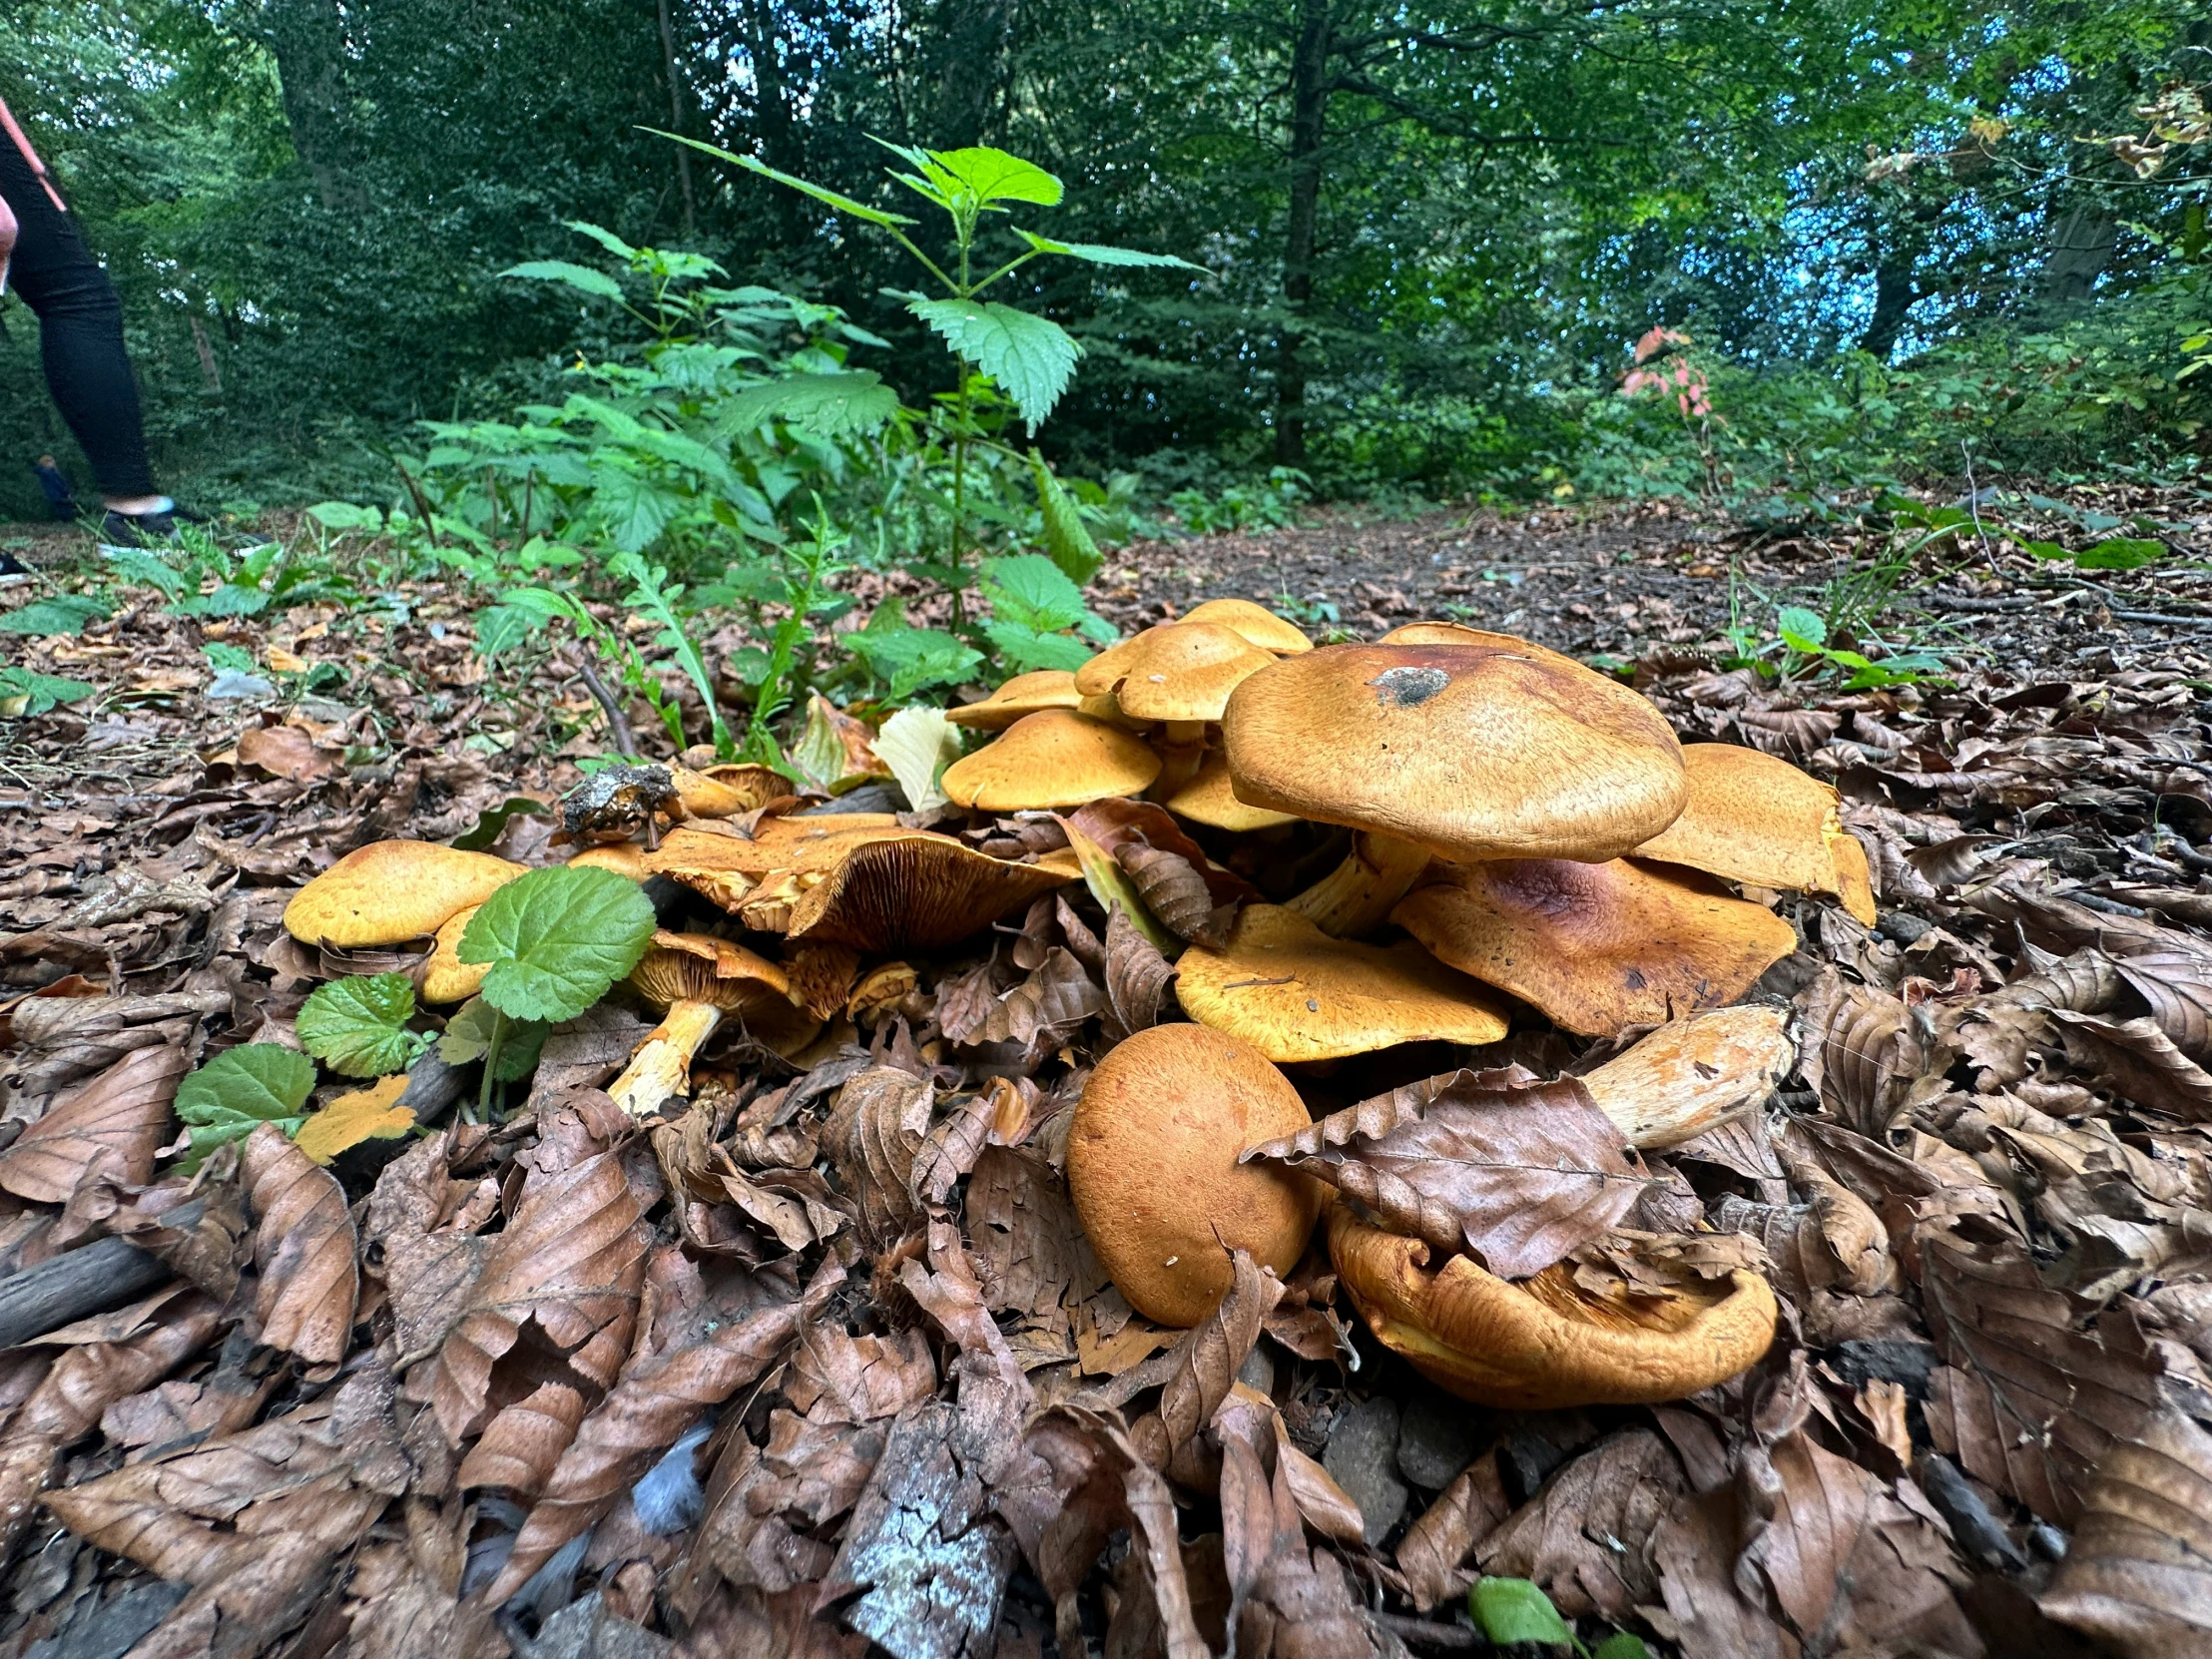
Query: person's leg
(80, 339)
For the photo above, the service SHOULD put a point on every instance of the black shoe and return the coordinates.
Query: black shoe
(136, 529)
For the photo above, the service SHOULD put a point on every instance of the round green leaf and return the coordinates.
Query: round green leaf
(239, 1090)
(358, 1026)
(556, 940)
(1509, 1610)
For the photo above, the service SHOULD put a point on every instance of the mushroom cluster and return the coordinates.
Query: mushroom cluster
(1518, 838)
(1356, 858)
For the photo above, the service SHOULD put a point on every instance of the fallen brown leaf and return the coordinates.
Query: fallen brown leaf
(872, 1136)
(121, 1114)
(2138, 1573)
(304, 1250)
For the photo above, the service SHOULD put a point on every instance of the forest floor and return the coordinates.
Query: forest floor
(1981, 1198)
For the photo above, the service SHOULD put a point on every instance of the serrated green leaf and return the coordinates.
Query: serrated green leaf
(63, 613)
(2121, 553)
(1509, 1610)
(24, 691)
(467, 1036)
(1030, 589)
(917, 745)
(358, 1026)
(235, 599)
(556, 940)
(503, 627)
(827, 197)
(1066, 538)
(345, 515)
(856, 400)
(1094, 253)
(1031, 357)
(991, 176)
(134, 564)
(562, 271)
(1800, 629)
(241, 1089)
(1025, 649)
(912, 659)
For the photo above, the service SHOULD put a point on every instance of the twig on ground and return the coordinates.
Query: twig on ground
(618, 723)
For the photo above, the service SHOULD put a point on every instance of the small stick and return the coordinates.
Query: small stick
(92, 1279)
(618, 723)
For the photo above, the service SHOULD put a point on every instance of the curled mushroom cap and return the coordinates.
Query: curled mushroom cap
(699, 980)
(1152, 1167)
(919, 892)
(1546, 1341)
(1254, 622)
(1179, 671)
(726, 868)
(1024, 694)
(1472, 751)
(1756, 819)
(1207, 798)
(1461, 633)
(1595, 946)
(725, 791)
(1056, 758)
(1294, 993)
(445, 977)
(392, 891)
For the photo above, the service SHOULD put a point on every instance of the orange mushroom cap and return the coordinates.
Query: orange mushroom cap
(1595, 946)
(1056, 758)
(1472, 751)
(1024, 694)
(1208, 799)
(1179, 671)
(1152, 1167)
(392, 891)
(1756, 819)
(1547, 1342)
(1254, 622)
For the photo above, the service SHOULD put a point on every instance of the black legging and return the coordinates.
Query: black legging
(80, 331)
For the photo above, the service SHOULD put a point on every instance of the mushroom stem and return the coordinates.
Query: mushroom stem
(1691, 1075)
(1181, 746)
(660, 1068)
(1359, 894)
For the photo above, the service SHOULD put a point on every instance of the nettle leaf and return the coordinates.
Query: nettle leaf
(562, 271)
(1509, 1610)
(467, 1037)
(1800, 629)
(1031, 357)
(358, 1026)
(1025, 649)
(1030, 589)
(242, 1088)
(1095, 254)
(24, 691)
(64, 612)
(915, 658)
(134, 564)
(856, 400)
(235, 599)
(827, 197)
(991, 176)
(1065, 537)
(503, 627)
(634, 509)
(556, 940)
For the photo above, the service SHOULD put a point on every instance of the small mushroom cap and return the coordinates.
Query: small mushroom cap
(1595, 946)
(625, 859)
(1207, 798)
(727, 791)
(445, 977)
(1752, 817)
(1254, 622)
(1176, 671)
(816, 841)
(698, 967)
(1056, 758)
(392, 891)
(1024, 694)
(1152, 1167)
(919, 892)
(1294, 993)
(1107, 707)
(1546, 1341)
(1472, 751)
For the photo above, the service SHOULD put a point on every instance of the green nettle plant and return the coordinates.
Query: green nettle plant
(1028, 358)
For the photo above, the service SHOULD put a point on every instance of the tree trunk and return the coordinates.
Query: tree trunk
(969, 65)
(1894, 293)
(1308, 108)
(2081, 246)
(676, 120)
(307, 40)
